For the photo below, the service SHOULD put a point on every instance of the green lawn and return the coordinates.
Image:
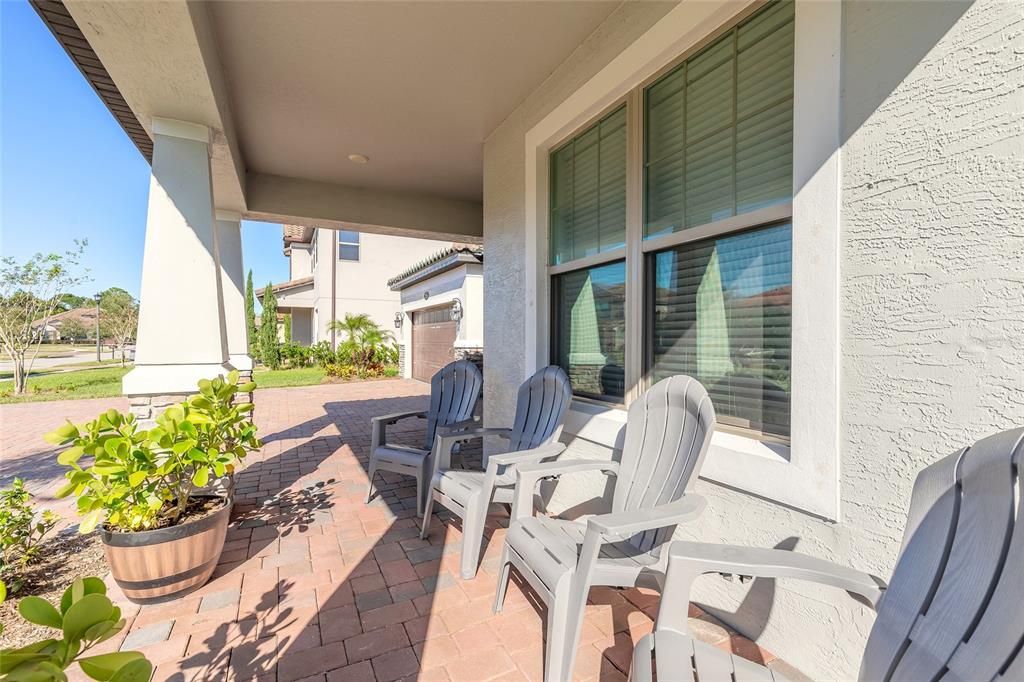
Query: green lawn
(105, 382)
(277, 378)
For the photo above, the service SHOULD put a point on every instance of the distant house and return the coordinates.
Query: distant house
(442, 310)
(55, 328)
(332, 273)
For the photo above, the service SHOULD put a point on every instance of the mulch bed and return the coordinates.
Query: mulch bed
(63, 558)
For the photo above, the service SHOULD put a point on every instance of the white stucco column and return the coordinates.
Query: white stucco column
(232, 279)
(182, 335)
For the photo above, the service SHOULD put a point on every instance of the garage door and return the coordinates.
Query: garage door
(433, 341)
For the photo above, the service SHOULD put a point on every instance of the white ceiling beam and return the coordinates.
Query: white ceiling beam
(295, 201)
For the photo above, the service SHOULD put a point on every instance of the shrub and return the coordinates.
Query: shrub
(297, 355)
(85, 617)
(22, 529)
(140, 479)
(391, 371)
(322, 354)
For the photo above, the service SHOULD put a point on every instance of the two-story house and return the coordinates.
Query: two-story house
(335, 272)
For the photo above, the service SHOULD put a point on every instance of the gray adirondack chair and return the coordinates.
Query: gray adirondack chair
(668, 431)
(540, 410)
(952, 611)
(454, 392)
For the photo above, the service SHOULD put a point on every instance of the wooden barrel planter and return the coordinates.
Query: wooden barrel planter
(160, 565)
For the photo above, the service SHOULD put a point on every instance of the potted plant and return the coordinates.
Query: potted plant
(162, 532)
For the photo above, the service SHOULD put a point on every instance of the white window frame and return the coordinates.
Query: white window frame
(804, 474)
(338, 243)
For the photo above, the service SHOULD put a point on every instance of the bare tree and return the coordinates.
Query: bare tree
(29, 296)
(119, 318)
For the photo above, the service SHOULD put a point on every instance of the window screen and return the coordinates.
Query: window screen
(718, 138)
(589, 329)
(588, 191)
(720, 311)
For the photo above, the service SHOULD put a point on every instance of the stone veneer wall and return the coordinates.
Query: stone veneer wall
(931, 304)
(147, 407)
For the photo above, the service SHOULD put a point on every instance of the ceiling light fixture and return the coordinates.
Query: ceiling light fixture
(358, 158)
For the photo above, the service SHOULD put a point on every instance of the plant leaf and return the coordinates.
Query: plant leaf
(200, 478)
(136, 671)
(88, 523)
(104, 666)
(71, 455)
(86, 612)
(39, 611)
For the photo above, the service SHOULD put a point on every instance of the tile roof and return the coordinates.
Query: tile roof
(473, 250)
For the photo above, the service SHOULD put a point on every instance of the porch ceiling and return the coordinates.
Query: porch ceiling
(416, 86)
(290, 90)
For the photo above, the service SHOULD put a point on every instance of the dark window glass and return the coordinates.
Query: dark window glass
(590, 330)
(348, 252)
(722, 314)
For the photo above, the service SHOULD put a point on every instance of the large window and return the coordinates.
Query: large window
(701, 250)
(348, 245)
(588, 234)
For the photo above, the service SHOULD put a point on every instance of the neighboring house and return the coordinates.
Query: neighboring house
(86, 317)
(442, 310)
(813, 207)
(335, 272)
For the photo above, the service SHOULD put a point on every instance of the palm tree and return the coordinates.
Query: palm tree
(352, 325)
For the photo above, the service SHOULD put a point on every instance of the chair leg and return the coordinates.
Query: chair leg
(473, 534)
(428, 511)
(565, 620)
(419, 491)
(369, 487)
(555, 645)
(504, 574)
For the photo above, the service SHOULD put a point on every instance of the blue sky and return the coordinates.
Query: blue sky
(68, 171)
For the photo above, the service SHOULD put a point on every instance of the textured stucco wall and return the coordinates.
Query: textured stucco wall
(932, 293)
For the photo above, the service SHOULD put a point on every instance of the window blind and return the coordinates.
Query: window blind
(721, 312)
(588, 191)
(719, 127)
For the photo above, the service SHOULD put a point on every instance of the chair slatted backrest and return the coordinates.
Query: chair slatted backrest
(540, 409)
(668, 433)
(454, 392)
(954, 609)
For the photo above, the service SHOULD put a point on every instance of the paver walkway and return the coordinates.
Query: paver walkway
(313, 585)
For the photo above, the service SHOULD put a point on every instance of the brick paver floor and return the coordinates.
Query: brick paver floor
(314, 585)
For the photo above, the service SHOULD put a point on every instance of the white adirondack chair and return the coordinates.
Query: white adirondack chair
(668, 432)
(454, 392)
(542, 402)
(952, 612)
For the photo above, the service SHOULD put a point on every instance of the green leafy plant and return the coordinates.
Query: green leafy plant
(139, 479)
(22, 529)
(85, 617)
(297, 355)
(367, 346)
(322, 354)
(270, 345)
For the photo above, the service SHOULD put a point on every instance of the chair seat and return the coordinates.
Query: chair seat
(551, 547)
(461, 485)
(681, 658)
(403, 455)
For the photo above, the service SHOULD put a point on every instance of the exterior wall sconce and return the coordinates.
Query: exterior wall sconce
(456, 310)
(399, 319)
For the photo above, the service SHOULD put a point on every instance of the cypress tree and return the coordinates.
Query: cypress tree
(270, 346)
(250, 318)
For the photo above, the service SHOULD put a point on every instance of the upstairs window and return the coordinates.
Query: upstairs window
(348, 245)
